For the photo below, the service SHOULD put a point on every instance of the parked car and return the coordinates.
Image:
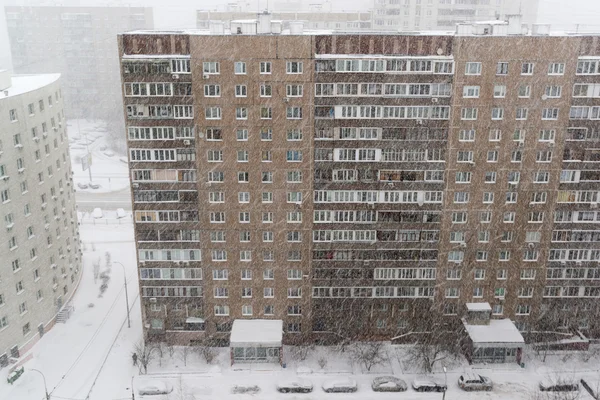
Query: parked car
(340, 385)
(97, 213)
(155, 388)
(471, 381)
(94, 185)
(121, 213)
(295, 385)
(245, 389)
(388, 384)
(109, 153)
(82, 186)
(428, 384)
(559, 385)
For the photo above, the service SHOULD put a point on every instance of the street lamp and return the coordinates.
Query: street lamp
(44, 378)
(445, 384)
(126, 295)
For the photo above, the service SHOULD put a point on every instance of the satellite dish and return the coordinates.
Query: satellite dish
(544, 97)
(440, 51)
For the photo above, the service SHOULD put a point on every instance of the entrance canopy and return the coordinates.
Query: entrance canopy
(256, 333)
(499, 333)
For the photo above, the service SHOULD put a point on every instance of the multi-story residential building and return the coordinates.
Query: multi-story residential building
(348, 183)
(415, 15)
(323, 20)
(41, 256)
(78, 43)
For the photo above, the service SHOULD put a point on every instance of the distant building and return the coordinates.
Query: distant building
(347, 183)
(418, 15)
(335, 21)
(79, 43)
(41, 259)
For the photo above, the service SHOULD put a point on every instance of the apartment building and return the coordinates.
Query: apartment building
(415, 15)
(40, 240)
(76, 42)
(323, 20)
(346, 183)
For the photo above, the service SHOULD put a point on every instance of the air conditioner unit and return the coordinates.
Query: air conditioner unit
(44, 206)
(521, 144)
(47, 226)
(135, 185)
(142, 262)
(175, 76)
(18, 146)
(61, 190)
(286, 99)
(9, 226)
(53, 266)
(54, 197)
(419, 122)
(45, 134)
(187, 142)
(531, 245)
(55, 129)
(594, 205)
(463, 244)
(4, 178)
(578, 262)
(152, 299)
(306, 276)
(36, 139)
(205, 76)
(434, 100)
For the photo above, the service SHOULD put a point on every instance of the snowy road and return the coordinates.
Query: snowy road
(72, 354)
(87, 201)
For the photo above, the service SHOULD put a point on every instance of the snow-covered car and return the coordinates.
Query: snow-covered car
(388, 384)
(295, 385)
(478, 382)
(245, 389)
(121, 213)
(428, 384)
(109, 153)
(102, 148)
(124, 160)
(559, 385)
(94, 185)
(82, 186)
(154, 388)
(97, 213)
(340, 385)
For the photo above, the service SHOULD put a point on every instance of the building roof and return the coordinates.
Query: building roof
(27, 83)
(479, 307)
(256, 333)
(498, 332)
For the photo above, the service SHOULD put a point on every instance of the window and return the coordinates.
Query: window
(490, 177)
(12, 115)
(521, 113)
(293, 67)
(511, 197)
(492, 156)
(265, 67)
(244, 217)
(556, 69)
(488, 197)
(294, 112)
(553, 91)
(241, 135)
(499, 91)
(209, 68)
(241, 91)
(221, 310)
(509, 217)
(247, 310)
(497, 113)
(473, 68)
(524, 91)
(502, 68)
(293, 155)
(294, 135)
(26, 329)
(527, 68)
(242, 156)
(294, 90)
(212, 112)
(244, 197)
(550, 114)
(266, 90)
(495, 135)
(469, 113)
(464, 156)
(240, 68)
(241, 113)
(247, 292)
(266, 134)
(266, 113)
(215, 155)
(471, 91)
(212, 90)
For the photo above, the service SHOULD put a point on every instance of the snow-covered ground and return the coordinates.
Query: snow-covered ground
(109, 169)
(89, 357)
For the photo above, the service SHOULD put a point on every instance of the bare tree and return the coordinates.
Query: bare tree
(433, 340)
(206, 349)
(159, 349)
(368, 354)
(170, 349)
(301, 352)
(184, 354)
(181, 392)
(145, 355)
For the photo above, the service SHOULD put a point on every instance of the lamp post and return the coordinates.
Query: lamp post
(445, 384)
(126, 295)
(44, 378)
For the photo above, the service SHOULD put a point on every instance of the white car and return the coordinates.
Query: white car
(154, 388)
(340, 385)
(427, 384)
(295, 385)
(121, 213)
(109, 153)
(97, 213)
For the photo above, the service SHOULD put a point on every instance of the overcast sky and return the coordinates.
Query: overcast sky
(169, 14)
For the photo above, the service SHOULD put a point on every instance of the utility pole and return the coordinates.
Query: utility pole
(126, 296)
(44, 378)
